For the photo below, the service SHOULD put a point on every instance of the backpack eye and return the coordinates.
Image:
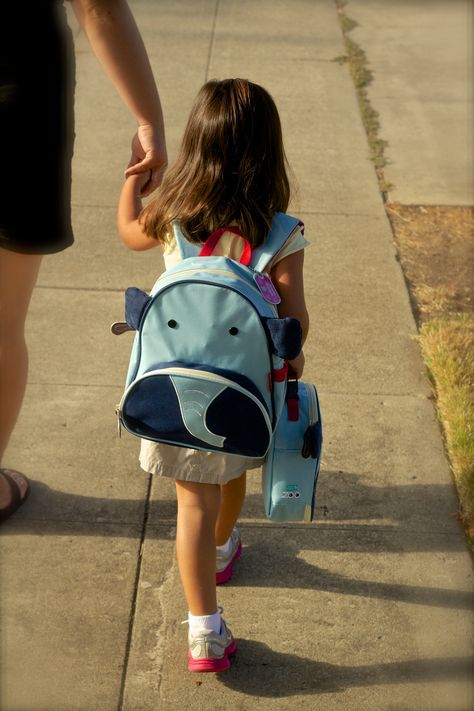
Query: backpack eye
(233, 331)
(172, 323)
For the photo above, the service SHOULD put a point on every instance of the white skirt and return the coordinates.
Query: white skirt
(184, 464)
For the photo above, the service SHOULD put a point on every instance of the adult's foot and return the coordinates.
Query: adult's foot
(14, 489)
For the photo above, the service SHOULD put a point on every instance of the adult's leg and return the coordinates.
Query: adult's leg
(18, 274)
(232, 499)
(198, 508)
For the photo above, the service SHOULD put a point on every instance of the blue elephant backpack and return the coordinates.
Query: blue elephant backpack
(208, 363)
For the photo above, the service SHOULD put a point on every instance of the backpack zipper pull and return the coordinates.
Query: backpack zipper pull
(267, 288)
(120, 327)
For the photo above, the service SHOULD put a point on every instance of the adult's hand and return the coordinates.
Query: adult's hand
(148, 155)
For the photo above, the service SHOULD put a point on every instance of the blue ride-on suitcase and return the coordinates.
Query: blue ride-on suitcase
(291, 469)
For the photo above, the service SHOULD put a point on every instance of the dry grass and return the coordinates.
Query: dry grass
(434, 299)
(436, 249)
(448, 349)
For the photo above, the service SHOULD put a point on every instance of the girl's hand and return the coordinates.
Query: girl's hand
(139, 181)
(297, 366)
(129, 210)
(149, 156)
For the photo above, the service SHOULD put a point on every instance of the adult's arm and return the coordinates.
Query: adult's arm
(116, 41)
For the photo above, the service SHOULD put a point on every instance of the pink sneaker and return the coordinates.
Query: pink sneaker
(210, 652)
(225, 564)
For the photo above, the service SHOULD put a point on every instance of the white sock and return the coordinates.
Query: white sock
(198, 623)
(226, 548)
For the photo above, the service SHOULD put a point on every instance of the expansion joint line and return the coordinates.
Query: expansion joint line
(135, 595)
(212, 39)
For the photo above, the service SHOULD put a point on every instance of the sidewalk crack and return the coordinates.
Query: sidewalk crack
(158, 653)
(135, 596)
(212, 40)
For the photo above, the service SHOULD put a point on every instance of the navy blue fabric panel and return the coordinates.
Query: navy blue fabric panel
(152, 410)
(285, 336)
(240, 420)
(152, 407)
(135, 302)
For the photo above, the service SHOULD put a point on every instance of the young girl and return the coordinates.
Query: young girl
(230, 171)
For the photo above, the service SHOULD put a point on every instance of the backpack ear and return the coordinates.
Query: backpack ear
(285, 335)
(135, 302)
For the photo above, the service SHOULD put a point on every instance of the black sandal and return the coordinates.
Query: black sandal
(16, 498)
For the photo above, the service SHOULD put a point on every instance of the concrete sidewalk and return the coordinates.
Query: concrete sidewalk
(421, 54)
(370, 606)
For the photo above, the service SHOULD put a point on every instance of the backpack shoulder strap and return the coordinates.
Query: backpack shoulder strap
(186, 248)
(282, 228)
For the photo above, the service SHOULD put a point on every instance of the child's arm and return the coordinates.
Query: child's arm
(129, 209)
(287, 275)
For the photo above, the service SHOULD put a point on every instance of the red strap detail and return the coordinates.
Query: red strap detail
(279, 374)
(270, 382)
(210, 244)
(292, 405)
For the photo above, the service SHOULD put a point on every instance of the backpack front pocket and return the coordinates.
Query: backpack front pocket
(198, 408)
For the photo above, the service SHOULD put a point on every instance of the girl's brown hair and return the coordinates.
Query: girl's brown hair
(231, 166)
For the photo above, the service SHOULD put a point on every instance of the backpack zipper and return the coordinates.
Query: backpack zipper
(313, 406)
(272, 260)
(224, 272)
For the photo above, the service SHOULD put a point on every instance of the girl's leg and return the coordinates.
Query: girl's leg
(18, 274)
(198, 508)
(232, 499)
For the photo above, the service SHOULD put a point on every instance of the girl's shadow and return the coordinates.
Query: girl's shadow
(257, 670)
(276, 562)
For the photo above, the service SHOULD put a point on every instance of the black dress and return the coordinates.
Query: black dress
(36, 126)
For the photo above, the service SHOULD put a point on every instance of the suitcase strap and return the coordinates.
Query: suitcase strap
(292, 401)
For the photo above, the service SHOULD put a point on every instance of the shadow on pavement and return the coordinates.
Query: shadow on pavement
(412, 517)
(275, 563)
(269, 560)
(259, 671)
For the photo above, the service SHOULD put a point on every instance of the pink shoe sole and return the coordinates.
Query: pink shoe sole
(212, 665)
(224, 575)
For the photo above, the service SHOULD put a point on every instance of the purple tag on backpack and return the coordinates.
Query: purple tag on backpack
(266, 288)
